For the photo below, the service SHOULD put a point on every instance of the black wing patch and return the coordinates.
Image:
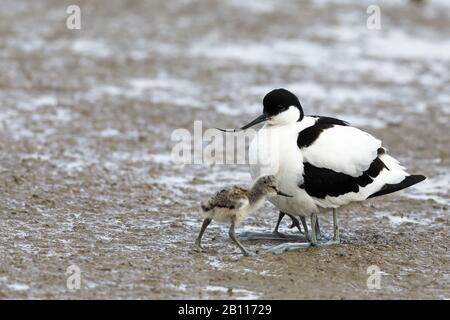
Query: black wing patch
(309, 135)
(407, 182)
(322, 182)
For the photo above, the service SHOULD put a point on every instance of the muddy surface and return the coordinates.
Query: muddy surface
(86, 118)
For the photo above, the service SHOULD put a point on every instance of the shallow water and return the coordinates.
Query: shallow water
(86, 118)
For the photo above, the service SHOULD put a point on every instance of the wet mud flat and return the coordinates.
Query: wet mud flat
(86, 116)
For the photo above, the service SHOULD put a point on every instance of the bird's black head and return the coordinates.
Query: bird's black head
(279, 100)
(281, 107)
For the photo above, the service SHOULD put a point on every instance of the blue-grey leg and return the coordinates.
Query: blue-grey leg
(232, 235)
(295, 223)
(275, 235)
(305, 227)
(313, 229)
(205, 224)
(336, 237)
(288, 246)
(318, 233)
(280, 217)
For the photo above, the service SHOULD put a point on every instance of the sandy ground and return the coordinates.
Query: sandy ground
(86, 117)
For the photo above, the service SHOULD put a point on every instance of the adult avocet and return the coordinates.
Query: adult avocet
(322, 162)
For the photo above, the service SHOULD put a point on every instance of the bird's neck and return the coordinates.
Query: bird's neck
(255, 196)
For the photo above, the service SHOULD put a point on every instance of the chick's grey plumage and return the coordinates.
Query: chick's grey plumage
(234, 203)
(230, 198)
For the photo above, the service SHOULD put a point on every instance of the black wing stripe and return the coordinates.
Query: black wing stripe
(307, 136)
(407, 182)
(322, 182)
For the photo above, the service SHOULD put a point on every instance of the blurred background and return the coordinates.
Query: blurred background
(86, 117)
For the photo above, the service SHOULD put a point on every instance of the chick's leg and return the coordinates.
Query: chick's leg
(205, 224)
(232, 235)
(280, 217)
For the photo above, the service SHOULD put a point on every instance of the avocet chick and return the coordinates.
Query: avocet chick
(234, 203)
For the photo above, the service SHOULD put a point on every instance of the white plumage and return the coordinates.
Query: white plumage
(343, 149)
(274, 151)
